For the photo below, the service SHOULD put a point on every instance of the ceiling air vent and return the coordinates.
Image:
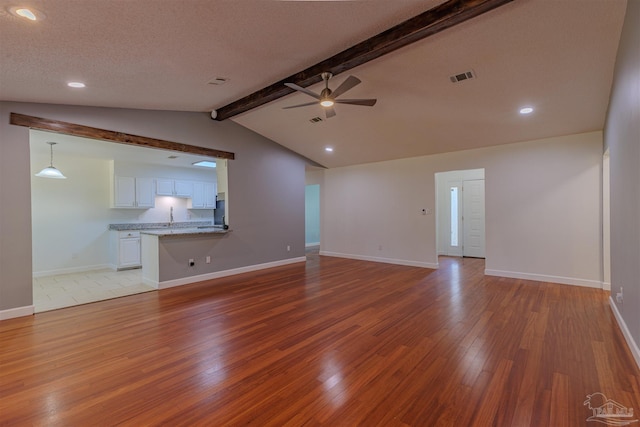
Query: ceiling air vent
(467, 75)
(315, 120)
(218, 81)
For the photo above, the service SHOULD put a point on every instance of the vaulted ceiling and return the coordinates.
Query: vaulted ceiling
(555, 56)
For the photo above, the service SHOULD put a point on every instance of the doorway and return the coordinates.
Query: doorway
(77, 257)
(460, 213)
(312, 217)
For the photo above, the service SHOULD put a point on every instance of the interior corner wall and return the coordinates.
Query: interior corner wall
(266, 183)
(622, 138)
(543, 209)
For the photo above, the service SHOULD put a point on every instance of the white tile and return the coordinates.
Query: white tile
(66, 290)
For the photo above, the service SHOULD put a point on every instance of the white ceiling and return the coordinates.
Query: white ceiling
(556, 56)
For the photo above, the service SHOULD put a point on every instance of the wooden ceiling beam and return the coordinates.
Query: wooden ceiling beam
(433, 21)
(112, 136)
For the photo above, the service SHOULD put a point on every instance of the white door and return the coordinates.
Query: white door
(454, 218)
(473, 218)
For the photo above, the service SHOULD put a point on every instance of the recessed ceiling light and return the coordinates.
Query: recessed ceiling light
(328, 149)
(526, 110)
(76, 84)
(205, 164)
(26, 13)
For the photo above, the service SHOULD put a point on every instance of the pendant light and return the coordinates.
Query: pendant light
(51, 171)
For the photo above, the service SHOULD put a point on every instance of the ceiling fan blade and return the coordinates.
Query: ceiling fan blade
(363, 102)
(329, 112)
(301, 89)
(350, 83)
(301, 105)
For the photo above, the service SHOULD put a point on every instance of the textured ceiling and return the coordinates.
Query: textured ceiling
(556, 56)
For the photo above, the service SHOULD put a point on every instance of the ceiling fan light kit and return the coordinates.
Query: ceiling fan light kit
(328, 98)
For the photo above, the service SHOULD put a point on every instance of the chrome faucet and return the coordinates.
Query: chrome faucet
(171, 217)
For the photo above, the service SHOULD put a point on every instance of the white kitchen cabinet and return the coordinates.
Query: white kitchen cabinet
(130, 192)
(210, 192)
(204, 196)
(174, 187)
(197, 200)
(164, 187)
(125, 252)
(145, 198)
(183, 188)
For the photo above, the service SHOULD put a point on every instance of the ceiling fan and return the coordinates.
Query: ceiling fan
(328, 98)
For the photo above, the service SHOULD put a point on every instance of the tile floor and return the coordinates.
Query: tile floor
(66, 290)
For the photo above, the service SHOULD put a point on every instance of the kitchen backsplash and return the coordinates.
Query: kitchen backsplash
(162, 212)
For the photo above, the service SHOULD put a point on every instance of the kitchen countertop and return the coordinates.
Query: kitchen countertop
(139, 226)
(185, 231)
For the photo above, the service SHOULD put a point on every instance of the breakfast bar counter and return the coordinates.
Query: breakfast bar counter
(185, 252)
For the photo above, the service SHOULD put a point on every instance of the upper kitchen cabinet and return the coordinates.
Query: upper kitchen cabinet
(204, 196)
(175, 188)
(131, 192)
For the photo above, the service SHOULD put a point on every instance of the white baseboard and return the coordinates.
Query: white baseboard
(309, 245)
(10, 313)
(633, 346)
(71, 270)
(380, 259)
(545, 278)
(224, 273)
(606, 286)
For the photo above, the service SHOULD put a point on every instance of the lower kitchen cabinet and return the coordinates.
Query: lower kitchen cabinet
(125, 249)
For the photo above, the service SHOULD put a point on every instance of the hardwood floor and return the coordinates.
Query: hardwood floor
(334, 343)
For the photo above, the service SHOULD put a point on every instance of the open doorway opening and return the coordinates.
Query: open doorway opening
(460, 213)
(312, 218)
(86, 228)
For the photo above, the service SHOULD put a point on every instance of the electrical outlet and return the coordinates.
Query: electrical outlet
(620, 296)
(208, 259)
(191, 262)
(288, 248)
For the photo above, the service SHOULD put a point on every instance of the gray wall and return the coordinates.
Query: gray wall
(622, 137)
(266, 189)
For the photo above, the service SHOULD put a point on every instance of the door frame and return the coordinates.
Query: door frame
(443, 182)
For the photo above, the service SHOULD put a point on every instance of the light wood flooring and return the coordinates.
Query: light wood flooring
(335, 342)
